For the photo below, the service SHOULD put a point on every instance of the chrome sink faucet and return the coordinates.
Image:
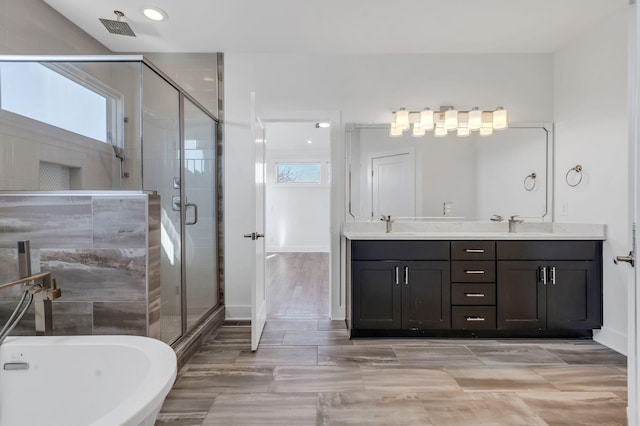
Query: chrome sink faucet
(513, 222)
(388, 221)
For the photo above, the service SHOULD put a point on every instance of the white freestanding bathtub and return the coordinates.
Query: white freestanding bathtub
(84, 380)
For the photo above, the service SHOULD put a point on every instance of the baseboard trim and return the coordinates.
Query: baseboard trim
(612, 339)
(297, 249)
(237, 312)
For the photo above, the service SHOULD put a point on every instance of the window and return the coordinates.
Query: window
(63, 96)
(298, 172)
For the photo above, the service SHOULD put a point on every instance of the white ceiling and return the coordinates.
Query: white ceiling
(343, 26)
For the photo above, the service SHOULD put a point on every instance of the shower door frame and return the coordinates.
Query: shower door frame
(218, 193)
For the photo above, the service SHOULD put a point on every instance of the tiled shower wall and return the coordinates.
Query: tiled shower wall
(103, 249)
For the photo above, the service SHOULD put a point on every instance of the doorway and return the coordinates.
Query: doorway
(393, 185)
(297, 204)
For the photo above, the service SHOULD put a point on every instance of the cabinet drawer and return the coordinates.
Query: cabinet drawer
(473, 317)
(473, 294)
(400, 250)
(549, 250)
(473, 250)
(472, 271)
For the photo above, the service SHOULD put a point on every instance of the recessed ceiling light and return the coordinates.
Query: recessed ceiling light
(309, 141)
(155, 14)
(323, 124)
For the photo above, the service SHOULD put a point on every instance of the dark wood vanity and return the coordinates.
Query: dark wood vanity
(485, 288)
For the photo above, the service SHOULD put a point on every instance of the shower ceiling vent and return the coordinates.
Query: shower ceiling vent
(118, 27)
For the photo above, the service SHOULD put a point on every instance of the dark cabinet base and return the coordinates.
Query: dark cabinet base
(479, 334)
(475, 289)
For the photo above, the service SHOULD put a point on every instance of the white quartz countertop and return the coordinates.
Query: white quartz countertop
(473, 231)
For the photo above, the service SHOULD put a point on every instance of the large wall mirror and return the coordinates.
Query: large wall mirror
(472, 178)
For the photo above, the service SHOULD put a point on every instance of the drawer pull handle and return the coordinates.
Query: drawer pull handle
(474, 318)
(472, 271)
(474, 250)
(474, 294)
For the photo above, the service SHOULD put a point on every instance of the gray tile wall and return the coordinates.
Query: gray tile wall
(103, 250)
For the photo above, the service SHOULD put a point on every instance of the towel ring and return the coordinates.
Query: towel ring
(530, 182)
(577, 169)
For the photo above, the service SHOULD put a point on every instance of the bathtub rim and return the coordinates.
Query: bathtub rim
(148, 397)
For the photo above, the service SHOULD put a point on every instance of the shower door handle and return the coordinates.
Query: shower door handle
(195, 213)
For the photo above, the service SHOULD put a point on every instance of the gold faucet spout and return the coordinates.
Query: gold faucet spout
(26, 280)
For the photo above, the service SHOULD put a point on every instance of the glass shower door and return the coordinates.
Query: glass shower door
(200, 236)
(161, 173)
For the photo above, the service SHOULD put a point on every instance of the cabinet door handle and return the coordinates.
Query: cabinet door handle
(472, 271)
(474, 319)
(406, 275)
(474, 294)
(397, 274)
(474, 250)
(543, 275)
(553, 275)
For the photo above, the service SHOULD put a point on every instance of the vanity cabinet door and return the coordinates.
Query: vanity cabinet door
(573, 295)
(377, 301)
(521, 295)
(570, 300)
(426, 295)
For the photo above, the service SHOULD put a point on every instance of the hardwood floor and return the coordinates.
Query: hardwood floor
(307, 371)
(297, 285)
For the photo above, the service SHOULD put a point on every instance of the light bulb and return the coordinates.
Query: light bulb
(394, 132)
(440, 131)
(451, 119)
(426, 119)
(418, 130)
(155, 14)
(402, 119)
(475, 119)
(486, 131)
(463, 131)
(500, 119)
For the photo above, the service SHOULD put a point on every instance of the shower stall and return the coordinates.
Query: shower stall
(113, 129)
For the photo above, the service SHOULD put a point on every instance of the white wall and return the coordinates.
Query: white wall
(297, 214)
(590, 80)
(33, 27)
(362, 88)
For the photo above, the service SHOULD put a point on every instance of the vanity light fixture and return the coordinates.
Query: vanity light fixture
(475, 119)
(500, 119)
(155, 14)
(394, 132)
(448, 119)
(418, 130)
(463, 124)
(426, 119)
(451, 119)
(486, 128)
(440, 131)
(402, 119)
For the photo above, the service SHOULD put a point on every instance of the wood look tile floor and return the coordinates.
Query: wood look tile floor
(306, 371)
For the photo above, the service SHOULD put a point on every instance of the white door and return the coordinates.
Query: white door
(633, 347)
(258, 293)
(393, 185)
